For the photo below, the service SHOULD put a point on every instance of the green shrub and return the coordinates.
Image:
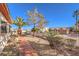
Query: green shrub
(77, 31)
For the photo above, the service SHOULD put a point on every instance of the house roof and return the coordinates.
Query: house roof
(4, 10)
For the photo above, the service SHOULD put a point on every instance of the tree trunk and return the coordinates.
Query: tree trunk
(77, 24)
(33, 33)
(34, 30)
(19, 31)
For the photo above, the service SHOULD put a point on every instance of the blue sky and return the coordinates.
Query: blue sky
(57, 14)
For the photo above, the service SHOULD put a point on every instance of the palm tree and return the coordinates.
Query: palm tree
(20, 23)
(76, 14)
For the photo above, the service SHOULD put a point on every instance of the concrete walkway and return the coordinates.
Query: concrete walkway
(25, 48)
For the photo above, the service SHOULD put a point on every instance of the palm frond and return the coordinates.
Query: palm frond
(19, 19)
(24, 24)
(76, 12)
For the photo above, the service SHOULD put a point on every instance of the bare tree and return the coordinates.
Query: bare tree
(36, 19)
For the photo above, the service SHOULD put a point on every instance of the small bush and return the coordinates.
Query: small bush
(71, 43)
(54, 41)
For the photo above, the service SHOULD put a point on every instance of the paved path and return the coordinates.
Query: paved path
(25, 47)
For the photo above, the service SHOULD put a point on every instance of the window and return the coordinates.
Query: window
(3, 27)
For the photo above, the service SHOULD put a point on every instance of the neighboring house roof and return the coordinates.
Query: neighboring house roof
(4, 10)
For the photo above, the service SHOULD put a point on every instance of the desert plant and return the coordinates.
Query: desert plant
(54, 41)
(71, 43)
(34, 30)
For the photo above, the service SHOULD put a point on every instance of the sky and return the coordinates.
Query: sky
(57, 14)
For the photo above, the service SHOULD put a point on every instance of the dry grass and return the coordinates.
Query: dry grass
(58, 47)
(11, 48)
